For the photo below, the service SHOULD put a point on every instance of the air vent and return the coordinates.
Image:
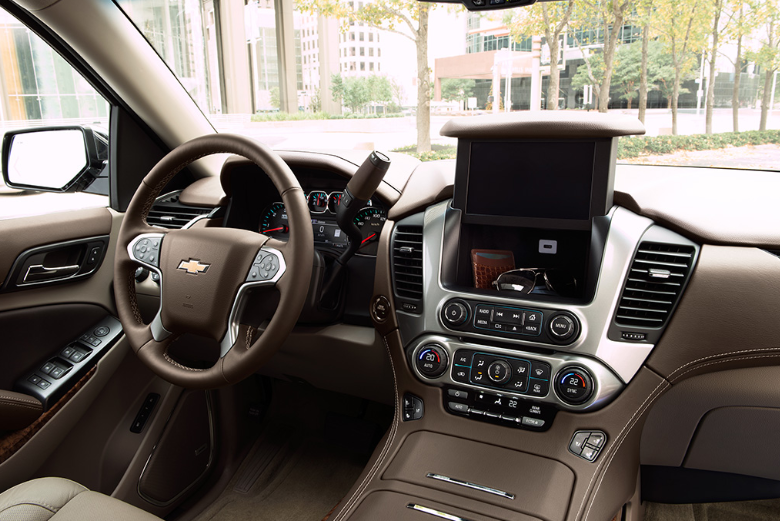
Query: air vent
(168, 212)
(408, 261)
(657, 277)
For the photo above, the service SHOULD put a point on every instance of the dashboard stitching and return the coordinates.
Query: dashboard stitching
(629, 425)
(385, 450)
(715, 356)
(725, 360)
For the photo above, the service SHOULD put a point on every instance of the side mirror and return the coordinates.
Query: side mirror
(53, 159)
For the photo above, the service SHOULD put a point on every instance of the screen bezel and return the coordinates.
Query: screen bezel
(601, 191)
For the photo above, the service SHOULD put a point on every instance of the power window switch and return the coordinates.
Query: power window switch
(68, 352)
(78, 356)
(34, 379)
(57, 372)
(43, 384)
(47, 367)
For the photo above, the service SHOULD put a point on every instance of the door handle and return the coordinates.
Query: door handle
(39, 273)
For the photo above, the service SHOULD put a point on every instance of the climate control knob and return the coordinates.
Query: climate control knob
(573, 385)
(500, 372)
(431, 360)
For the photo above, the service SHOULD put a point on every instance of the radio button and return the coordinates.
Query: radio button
(483, 311)
(533, 317)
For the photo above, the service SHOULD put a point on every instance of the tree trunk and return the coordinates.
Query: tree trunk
(675, 98)
(735, 92)
(555, 74)
(713, 56)
(423, 84)
(643, 74)
(611, 32)
(629, 103)
(765, 99)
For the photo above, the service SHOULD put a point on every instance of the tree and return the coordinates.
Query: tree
(408, 18)
(550, 19)
(628, 69)
(608, 17)
(453, 89)
(397, 91)
(354, 93)
(315, 104)
(589, 73)
(644, 11)
(379, 89)
(717, 14)
(768, 55)
(682, 25)
(275, 97)
(741, 23)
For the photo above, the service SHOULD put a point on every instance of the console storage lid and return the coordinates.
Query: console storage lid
(541, 487)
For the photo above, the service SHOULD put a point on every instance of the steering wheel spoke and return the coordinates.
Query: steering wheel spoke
(266, 270)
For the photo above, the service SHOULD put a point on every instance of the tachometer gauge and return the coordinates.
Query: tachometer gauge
(370, 221)
(273, 221)
(318, 202)
(334, 201)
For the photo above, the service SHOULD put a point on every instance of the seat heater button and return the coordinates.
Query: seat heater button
(578, 442)
(476, 412)
(589, 453)
(458, 407)
(508, 418)
(596, 439)
(492, 414)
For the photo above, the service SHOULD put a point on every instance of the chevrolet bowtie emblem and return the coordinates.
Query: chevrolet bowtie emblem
(194, 267)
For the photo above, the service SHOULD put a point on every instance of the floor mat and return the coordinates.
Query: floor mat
(764, 510)
(300, 478)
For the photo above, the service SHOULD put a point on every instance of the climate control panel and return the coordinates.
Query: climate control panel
(547, 326)
(563, 380)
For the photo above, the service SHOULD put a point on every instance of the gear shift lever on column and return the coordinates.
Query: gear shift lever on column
(357, 194)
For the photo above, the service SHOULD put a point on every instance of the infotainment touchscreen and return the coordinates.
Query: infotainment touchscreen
(534, 183)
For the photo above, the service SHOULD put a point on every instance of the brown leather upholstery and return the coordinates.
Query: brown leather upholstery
(18, 410)
(64, 500)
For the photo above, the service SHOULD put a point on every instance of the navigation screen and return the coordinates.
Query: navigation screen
(539, 180)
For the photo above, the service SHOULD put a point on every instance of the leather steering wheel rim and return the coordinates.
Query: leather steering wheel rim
(206, 272)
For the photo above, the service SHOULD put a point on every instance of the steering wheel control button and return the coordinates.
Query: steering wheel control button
(431, 361)
(148, 251)
(500, 372)
(380, 309)
(587, 444)
(265, 267)
(455, 313)
(573, 385)
(413, 408)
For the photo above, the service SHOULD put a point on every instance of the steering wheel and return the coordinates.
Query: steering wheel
(206, 273)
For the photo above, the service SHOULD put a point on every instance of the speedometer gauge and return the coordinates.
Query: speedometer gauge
(370, 221)
(273, 221)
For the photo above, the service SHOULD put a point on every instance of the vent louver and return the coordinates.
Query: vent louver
(655, 281)
(168, 212)
(408, 261)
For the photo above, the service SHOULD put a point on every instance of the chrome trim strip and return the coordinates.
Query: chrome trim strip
(435, 513)
(231, 335)
(468, 484)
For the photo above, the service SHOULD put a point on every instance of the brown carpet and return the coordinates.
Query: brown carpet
(303, 480)
(764, 510)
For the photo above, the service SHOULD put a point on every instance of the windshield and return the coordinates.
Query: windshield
(701, 75)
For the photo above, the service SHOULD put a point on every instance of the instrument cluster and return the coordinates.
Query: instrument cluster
(327, 235)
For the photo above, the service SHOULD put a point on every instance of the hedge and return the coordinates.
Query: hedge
(645, 145)
(631, 147)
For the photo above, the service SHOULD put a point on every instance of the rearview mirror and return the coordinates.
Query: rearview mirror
(53, 159)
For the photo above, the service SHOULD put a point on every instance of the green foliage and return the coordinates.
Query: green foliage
(582, 78)
(437, 152)
(628, 68)
(453, 89)
(643, 145)
(275, 103)
(357, 92)
(315, 104)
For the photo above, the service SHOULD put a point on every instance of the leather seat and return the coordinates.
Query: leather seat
(64, 500)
